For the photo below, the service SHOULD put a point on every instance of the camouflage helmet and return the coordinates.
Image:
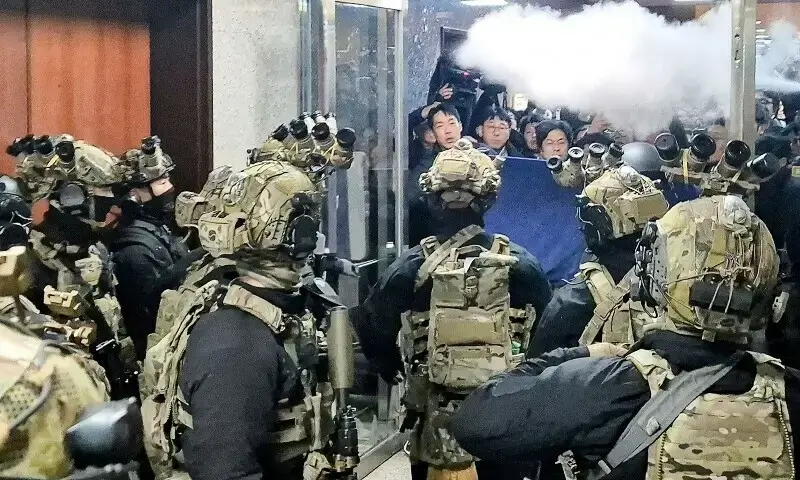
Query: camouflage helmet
(460, 175)
(617, 204)
(189, 206)
(711, 264)
(68, 161)
(148, 163)
(76, 177)
(268, 206)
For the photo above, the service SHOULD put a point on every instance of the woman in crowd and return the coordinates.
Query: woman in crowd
(527, 128)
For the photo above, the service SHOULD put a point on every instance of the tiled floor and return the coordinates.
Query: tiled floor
(396, 468)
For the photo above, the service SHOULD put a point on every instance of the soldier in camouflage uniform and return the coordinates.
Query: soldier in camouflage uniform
(44, 384)
(594, 305)
(230, 381)
(463, 303)
(73, 278)
(15, 221)
(696, 404)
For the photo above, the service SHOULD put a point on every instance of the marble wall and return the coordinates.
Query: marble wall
(256, 73)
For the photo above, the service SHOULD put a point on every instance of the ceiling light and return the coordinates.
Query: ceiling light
(484, 3)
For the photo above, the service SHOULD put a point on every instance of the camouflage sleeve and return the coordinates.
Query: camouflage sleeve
(73, 389)
(564, 400)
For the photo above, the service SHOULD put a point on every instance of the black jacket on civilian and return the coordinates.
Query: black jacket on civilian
(419, 217)
(565, 400)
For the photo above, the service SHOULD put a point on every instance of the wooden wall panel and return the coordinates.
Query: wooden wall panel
(767, 12)
(13, 79)
(89, 76)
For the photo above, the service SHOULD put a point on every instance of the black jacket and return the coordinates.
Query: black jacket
(510, 150)
(565, 400)
(233, 374)
(142, 251)
(232, 401)
(564, 319)
(377, 320)
(419, 217)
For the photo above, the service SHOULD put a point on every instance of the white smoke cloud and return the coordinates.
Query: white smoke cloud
(618, 59)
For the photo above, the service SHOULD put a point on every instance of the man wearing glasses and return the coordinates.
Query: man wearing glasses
(495, 130)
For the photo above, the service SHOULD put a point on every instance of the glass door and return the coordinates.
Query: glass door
(353, 65)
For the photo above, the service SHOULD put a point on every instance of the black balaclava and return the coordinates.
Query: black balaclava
(159, 209)
(447, 221)
(617, 255)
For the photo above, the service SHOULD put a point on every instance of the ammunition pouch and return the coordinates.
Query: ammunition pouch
(189, 207)
(71, 303)
(414, 337)
(91, 269)
(112, 313)
(417, 391)
(469, 337)
(433, 443)
(522, 323)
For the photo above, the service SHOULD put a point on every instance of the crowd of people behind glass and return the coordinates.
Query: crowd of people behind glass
(462, 104)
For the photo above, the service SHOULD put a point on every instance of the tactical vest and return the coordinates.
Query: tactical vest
(166, 248)
(199, 274)
(469, 334)
(44, 387)
(301, 427)
(616, 319)
(83, 284)
(744, 436)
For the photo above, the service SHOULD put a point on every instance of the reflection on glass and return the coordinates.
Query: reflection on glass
(361, 199)
(365, 102)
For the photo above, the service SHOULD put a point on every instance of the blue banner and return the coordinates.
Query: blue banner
(538, 214)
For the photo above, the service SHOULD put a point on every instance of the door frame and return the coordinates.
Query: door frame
(318, 91)
(318, 85)
(180, 55)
